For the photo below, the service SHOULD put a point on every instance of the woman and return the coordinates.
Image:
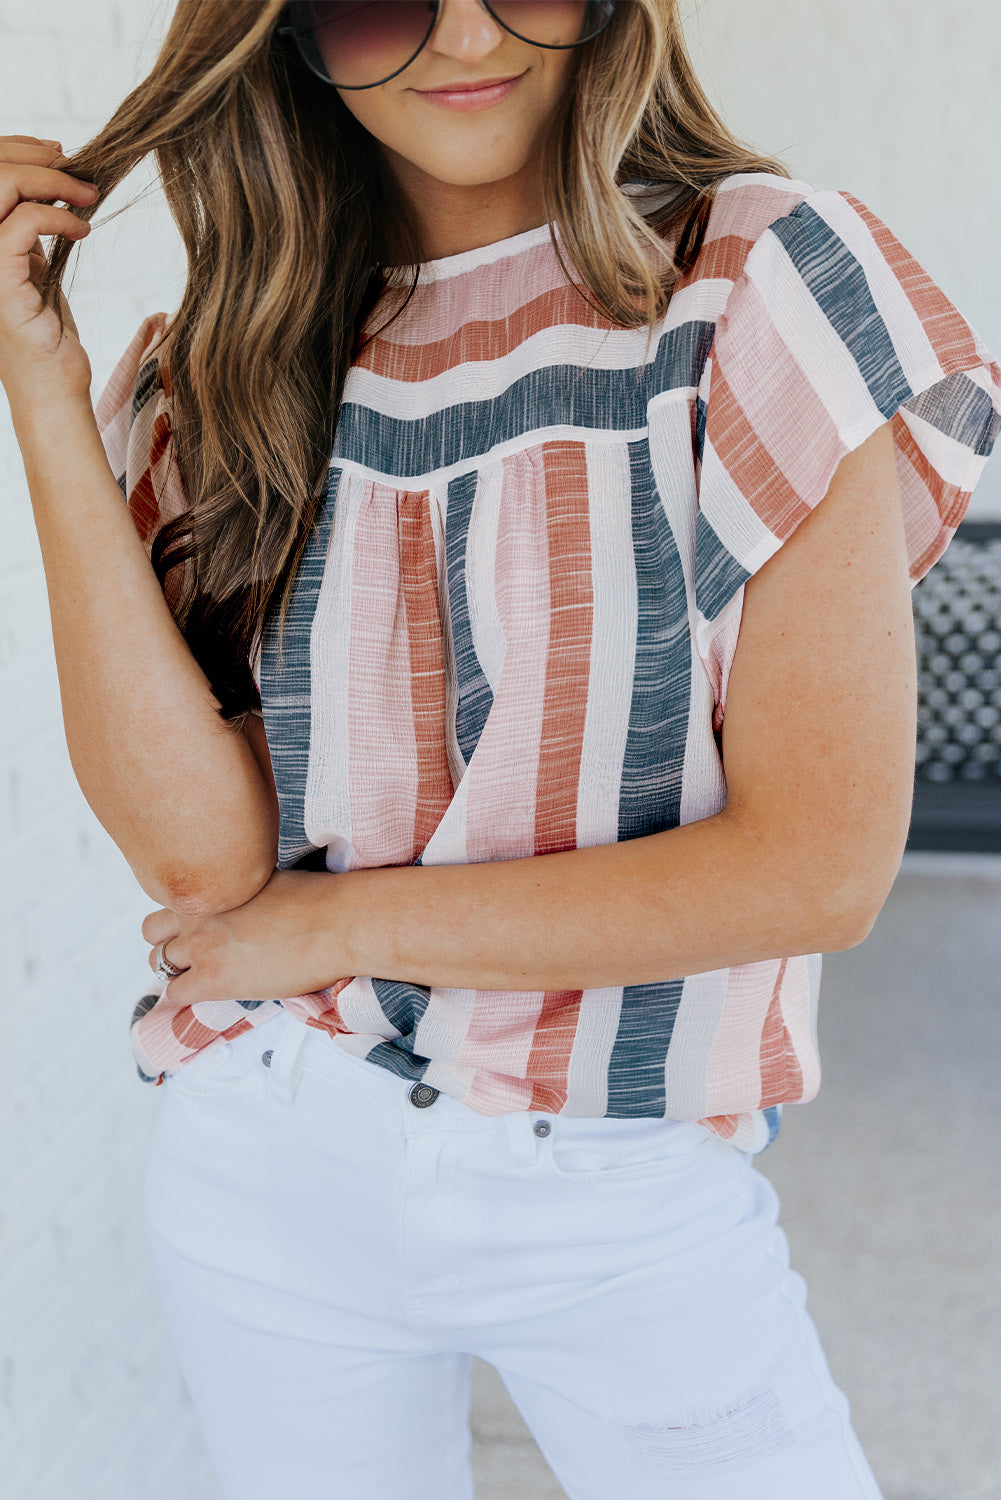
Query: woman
(496, 606)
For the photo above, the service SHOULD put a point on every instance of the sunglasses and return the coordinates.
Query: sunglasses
(357, 45)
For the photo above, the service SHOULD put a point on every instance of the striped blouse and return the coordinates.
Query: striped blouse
(512, 631)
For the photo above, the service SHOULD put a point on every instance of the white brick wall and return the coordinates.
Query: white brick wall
(91, 1404)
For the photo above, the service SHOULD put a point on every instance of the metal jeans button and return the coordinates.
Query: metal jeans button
(422, 1094)
(267, 1056)
(542, 1127)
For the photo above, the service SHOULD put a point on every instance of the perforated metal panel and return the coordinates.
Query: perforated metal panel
(957, 621)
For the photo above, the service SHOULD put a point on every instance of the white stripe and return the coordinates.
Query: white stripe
(327, 813)
(914, 350)
(695, 1027)
(613, 645)
(442, 1029)
(737, 524)
(953, 460)
(787, 187)
(801, 323)
(361, 1011)
(803, 977)
(700, 301)
(591, 1053)
(571, 346)
(447, 845)
(703, 790)
(481, 555)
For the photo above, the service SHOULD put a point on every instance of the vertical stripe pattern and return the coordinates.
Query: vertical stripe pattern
(512, 630)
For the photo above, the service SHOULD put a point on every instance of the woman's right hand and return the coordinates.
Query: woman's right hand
(36, 365)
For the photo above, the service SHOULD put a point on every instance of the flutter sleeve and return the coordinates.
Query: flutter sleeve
(831, 328)
(134, 419)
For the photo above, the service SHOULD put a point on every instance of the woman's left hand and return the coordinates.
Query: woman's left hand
(267, 949)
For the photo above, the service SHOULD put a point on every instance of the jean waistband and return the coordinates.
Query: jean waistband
(296, 1047)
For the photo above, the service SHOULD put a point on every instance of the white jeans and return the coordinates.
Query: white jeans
(330, 1257)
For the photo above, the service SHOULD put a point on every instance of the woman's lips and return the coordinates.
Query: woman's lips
(471, 98)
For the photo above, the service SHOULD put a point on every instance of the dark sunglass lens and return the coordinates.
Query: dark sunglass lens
(359, 42)
(553, 23)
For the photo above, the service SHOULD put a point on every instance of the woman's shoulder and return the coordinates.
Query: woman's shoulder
(135, 420)
(130, 384)
(745, 206)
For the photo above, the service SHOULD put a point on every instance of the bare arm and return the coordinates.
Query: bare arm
(182, 796)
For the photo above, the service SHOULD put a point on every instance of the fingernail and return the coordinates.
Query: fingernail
(57, 144)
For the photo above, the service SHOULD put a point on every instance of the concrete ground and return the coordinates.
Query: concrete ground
(891, 1194)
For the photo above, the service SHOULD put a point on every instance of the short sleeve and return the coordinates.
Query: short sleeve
(831, 328)
(133, 416)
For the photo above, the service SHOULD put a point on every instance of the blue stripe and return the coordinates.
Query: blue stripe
(700, 427)
(653, 764)
(403, 1004)
(286, 687)
(560, 395)
(654, 757)
(475, 698)
(147, 381)
(718, 574)
(636, 1066)
(838, 283)
(773, 1119)
(390, 1055)
(959, 407)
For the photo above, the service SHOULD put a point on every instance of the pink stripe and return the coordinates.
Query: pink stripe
(733, 1076)
(497, 1094)
(500, 815)
(470, 317)
(382, 754)
(170, 1033)
(501, 1030)
(760, 374)
(781, 1075)
(932, 508)
(754, 471)
(948, 331)
(419, 568)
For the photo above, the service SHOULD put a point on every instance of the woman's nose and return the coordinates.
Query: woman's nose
(465, 29)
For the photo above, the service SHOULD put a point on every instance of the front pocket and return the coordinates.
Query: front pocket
(583, 1148)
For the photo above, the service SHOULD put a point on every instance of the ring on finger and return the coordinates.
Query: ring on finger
(164, 968)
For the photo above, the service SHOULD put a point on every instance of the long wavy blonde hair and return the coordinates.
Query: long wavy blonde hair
(288, 213)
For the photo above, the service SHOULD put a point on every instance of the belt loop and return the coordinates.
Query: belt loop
(285, 1065)
(520, 1138)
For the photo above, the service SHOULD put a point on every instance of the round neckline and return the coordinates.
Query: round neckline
(444, 266)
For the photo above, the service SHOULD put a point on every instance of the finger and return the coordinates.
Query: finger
(175, 954)
(32, 181)
(158, 926)
(23, 226)
(46, 152)
(40, 140)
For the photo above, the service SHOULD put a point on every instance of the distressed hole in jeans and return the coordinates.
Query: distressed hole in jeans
(738, 1434)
